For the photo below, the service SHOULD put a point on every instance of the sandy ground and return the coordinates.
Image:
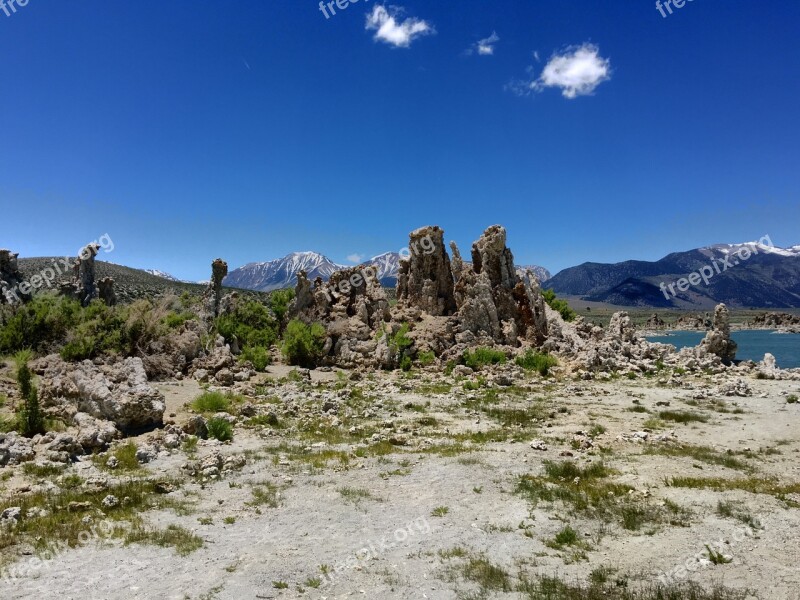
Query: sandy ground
(391, 544)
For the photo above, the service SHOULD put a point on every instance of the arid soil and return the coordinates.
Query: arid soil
(390, 485)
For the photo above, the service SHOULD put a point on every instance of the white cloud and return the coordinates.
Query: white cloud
(485, 47)
(577, 72)
(389, 26)
(355, 258)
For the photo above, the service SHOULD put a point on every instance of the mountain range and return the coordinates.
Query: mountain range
(769, 278)
(282, 273)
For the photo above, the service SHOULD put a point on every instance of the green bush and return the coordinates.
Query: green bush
(480, 357)
(30, 417)
(303, 344)
(212, 402)
(279, 303)
(251, 324)
(535, 361)
(40, 325)
(49, 323)
(220, 429)
(400, 340)
(426, 358)
(405, 363)
(559, 305)
(175, 320)
(258, 355)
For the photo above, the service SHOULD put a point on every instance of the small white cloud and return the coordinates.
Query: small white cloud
(389, 27)
(536, 56)
(485, 47)
(355, 258)
(577, 72)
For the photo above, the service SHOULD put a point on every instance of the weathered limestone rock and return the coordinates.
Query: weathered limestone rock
(621, 328)
(655, 323)
(118, 392)
(718, 341)
(94, 433)
(83, 287)
(86, 273)
(425, 280)
(15, 449)
(213, 294)
(351, 306)
(11, 279)
(493, 301)
(491, 256)
(106, 291)
(768, 367)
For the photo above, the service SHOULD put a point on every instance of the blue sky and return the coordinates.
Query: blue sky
(248, 129)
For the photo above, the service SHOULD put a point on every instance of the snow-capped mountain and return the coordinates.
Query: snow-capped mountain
(281, 273)
(161, 274)
(387, 267)
(541, 273)
(758, 246)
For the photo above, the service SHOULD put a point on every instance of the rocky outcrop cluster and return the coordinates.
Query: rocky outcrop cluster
(617, 348)
(693, 322)
(493, 303)
(219, 366)
(117, 391)
(443, 306)
(718, 341)
(11, 279)
(782, 322)
(352, 305)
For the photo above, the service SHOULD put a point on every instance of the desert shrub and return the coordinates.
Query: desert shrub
(174, 320)
(480, 357)
(536, 361)
(258, 355)
(144, 323)
(302, 343)
(126, 330)
(39, 325)
(398, 343)
(279, 302)
(426, 358)
(559, 305)
(400, 340)
(212, 402)
(99, 330)
(251, 324)
(220, 429)
(30, 417)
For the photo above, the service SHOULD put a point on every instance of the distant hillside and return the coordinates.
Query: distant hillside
(129, 284)
(768, 279)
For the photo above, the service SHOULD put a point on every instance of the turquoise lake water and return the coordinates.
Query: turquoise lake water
(753, 344)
